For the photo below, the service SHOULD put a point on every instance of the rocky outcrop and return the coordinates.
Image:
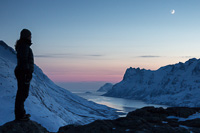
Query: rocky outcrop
(145, 120)
(22, 127)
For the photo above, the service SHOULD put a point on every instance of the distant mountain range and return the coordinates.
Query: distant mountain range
(105, 88)
(174, 85)
(48, 104)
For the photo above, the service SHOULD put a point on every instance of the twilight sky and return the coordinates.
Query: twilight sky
(97, 40)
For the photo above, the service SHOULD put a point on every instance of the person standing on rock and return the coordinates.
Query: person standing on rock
(23, 73)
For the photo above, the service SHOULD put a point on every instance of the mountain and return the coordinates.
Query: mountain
(106, 87)
(175, 85)
(48, 104)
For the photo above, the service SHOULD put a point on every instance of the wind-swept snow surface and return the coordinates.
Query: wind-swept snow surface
(48, 104)
(175, 85)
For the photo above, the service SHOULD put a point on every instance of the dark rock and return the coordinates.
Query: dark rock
(98, 126)
(148, 112)
(144, 120)
(195, 130)
(168, 129)
(22, 127)
(173, 122)
(191, 123)
(181, 111)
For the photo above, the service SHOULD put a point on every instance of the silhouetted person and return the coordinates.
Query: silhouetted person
(23, 73)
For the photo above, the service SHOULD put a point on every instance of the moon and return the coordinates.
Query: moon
(172, 11)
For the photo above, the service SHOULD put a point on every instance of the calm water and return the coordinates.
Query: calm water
(123, 105)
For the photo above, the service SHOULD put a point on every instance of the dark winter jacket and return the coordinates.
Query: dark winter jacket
(25, 61)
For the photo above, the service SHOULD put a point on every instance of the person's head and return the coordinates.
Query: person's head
(25, 34)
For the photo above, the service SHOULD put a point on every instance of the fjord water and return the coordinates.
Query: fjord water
(122, 105)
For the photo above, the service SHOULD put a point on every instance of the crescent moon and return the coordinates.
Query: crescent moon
(172, 11)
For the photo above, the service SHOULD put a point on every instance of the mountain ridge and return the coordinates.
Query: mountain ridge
(106, 87)
(174, 85)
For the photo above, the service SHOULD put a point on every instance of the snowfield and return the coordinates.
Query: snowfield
(48, 104)
(174, 85)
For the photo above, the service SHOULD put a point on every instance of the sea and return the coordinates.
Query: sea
(122, 105)
(88, 90)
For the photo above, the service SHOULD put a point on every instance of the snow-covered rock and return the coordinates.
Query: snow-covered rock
(48, 104)
(106, 87)
(175, 85)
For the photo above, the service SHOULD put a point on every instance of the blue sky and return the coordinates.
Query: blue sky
(97, 40)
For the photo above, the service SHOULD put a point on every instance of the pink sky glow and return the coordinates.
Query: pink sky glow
(112, 71)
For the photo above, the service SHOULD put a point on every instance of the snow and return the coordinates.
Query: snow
(191, 117)
(48, 104)
(185, 127)
(173, 85)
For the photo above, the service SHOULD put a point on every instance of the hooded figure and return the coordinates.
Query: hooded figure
(23, 73)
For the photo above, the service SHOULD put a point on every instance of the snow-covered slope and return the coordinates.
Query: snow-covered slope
(175, 85)
(106, 87)
(48, 104)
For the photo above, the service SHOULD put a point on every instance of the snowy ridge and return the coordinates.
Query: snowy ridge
(48, 104)
(175, 85)
(106, 87)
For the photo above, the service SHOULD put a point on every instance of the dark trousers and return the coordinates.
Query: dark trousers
(23, 82)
